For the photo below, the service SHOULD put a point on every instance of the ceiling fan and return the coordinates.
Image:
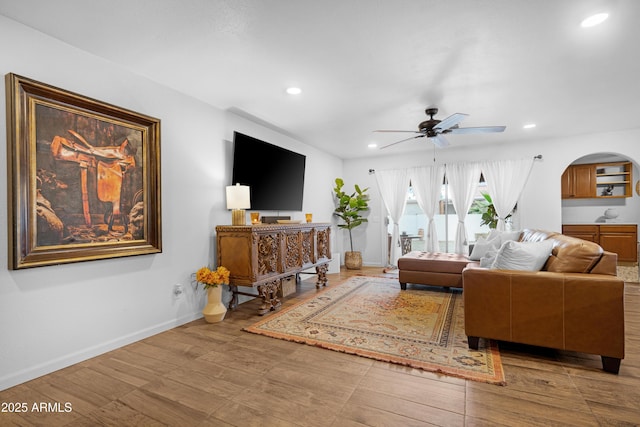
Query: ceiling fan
(436, 129)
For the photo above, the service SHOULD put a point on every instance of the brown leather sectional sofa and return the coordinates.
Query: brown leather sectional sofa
(575, 303)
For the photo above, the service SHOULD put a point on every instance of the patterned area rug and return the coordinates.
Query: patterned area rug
(372, 317)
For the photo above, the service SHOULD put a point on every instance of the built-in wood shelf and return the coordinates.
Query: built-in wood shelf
(597, 180)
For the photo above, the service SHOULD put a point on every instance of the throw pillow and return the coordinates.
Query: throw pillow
(487, 260)
(492, 243)
(529, 256)
(493, 233)
(484, 245)
(506, 236)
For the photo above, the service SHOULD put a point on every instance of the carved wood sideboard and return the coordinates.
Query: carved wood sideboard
(262, 255)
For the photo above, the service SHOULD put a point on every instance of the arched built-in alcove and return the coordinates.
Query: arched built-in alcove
(600, 203)
(587, 210)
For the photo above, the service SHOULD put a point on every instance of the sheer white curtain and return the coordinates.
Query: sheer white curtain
(505, 181)
(427, 186)
(463, 179)
(393, 185)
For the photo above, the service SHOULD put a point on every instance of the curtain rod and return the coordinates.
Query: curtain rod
(538, 157)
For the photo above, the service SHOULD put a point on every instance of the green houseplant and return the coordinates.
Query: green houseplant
(488, 211)
(349, 208)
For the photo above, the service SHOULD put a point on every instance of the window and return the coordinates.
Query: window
(414, 220)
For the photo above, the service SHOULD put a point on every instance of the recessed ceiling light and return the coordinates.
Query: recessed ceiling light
(529, 126)
(372, 145)
(594, 20)
(294, 90)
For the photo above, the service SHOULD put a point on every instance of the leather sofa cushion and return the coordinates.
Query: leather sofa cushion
(536, 235)
(569, 255)
(577, 257)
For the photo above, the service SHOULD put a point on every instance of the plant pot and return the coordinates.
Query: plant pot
(215, 310)
(353, 260)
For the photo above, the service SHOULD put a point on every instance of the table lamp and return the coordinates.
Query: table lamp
(238, 199)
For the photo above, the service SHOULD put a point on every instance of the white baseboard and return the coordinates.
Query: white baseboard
(88, 353)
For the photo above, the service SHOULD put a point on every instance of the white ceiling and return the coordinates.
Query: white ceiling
(373, 64)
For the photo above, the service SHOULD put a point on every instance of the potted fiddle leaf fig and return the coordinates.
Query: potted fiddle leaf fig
(350, 208)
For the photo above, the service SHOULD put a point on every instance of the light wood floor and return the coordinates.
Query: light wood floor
(216, 375)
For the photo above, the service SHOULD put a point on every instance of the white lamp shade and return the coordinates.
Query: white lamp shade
(238, 197)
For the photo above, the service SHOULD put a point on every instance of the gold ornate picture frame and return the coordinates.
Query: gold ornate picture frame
(83, 177)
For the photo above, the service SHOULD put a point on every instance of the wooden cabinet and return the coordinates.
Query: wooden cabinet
(263, 255)
(597, 180)
(621, 239)
(579, 181)
(584, 232)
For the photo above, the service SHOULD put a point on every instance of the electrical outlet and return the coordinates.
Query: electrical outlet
(178, 290)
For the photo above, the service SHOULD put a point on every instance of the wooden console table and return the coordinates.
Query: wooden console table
(262, 255)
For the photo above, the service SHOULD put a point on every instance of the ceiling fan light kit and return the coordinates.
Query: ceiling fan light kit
(434, 129)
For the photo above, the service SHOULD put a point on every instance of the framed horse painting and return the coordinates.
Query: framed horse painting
(84, 177)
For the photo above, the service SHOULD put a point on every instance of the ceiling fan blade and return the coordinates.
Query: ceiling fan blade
(403, 140)
(481, 129)
(439, 141)
(411, 131)
(450, 121)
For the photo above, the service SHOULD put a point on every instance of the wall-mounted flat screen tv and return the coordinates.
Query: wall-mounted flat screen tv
(275, 175)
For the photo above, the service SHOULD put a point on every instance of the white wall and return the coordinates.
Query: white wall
(321, 168)
(54, 316)
(540, 204)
